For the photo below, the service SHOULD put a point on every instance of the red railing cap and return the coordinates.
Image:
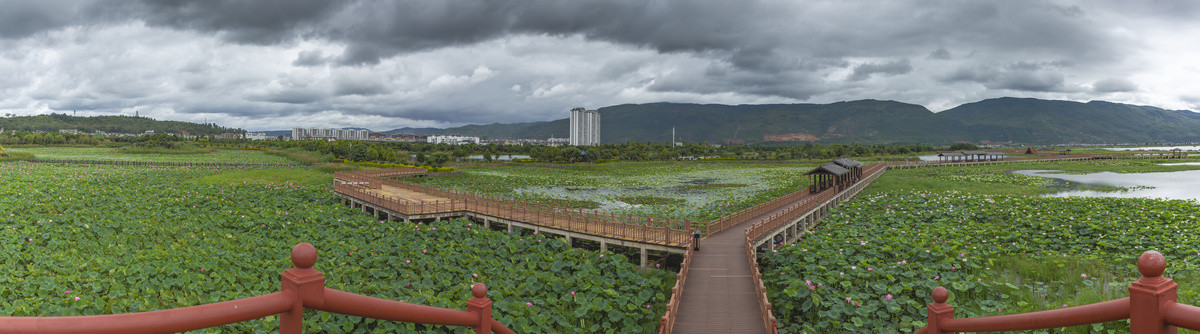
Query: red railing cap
(304, 255)
(940, 295)
(479, 290)
(1152, 264)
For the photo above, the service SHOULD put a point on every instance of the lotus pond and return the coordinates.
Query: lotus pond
(693, 191)
(870, 267)
(111, 154)
(84, 240)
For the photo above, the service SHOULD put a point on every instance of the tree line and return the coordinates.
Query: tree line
(426, 154)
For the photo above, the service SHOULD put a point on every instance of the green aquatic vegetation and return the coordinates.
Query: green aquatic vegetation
(86, 240)
(116, 154)
(649, 200)
(674, 190)
(307, 177)
(871, 265)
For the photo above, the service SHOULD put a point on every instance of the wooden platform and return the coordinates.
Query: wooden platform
(406, 195)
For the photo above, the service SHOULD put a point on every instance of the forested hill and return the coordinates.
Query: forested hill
(111, 124)
(1002, 120)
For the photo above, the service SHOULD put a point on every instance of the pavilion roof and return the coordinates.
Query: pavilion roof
(848, 163)
(829, 168)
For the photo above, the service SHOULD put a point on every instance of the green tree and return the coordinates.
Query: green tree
(963, 147)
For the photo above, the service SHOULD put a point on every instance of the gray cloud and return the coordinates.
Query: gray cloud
(1031, 81)
(418, 61)
(309, 58)
(940, 54)
(1114, 85)
(864, 71)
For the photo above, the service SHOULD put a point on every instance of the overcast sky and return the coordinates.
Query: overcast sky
(384, 64)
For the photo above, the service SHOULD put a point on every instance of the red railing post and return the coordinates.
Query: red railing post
(1150, 295)
(306, 285)
(482, 306)
(938, 311)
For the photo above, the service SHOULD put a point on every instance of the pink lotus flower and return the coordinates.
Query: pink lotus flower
(889, 297)
(647, 306)
(572, 293)
(77, 298)
(68, 292)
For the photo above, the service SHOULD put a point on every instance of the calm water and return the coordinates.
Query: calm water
(1154, 148)
(499, 157)
(1169, 185)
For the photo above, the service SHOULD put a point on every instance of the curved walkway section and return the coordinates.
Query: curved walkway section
(414, 201)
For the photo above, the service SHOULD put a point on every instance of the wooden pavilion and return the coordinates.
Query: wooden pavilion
(970, 156)
(855, 167)
(827, 176)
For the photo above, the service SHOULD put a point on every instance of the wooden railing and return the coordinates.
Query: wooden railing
(668, 320)
(760, 290)
(1151, 309)
(740, 216)
(675, 233)
(302, 287)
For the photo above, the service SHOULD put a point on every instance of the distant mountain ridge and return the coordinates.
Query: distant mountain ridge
(1000, 120)
(110, 124)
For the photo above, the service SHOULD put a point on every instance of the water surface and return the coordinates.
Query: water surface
(1154, 148)
(1169, 185)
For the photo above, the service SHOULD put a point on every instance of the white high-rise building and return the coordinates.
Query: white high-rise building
(585, 127)
(319, 133)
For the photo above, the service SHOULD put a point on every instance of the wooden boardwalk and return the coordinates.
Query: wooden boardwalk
(719, 295)
(405, 194)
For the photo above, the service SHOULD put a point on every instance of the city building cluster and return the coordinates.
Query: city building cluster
(326, 133)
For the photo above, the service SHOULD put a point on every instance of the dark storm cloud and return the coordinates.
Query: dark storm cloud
(24, 18)
(254, 22)
(864, 71)
(414, 58)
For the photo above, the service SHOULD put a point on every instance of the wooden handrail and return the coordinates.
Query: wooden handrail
(302, 287)
(162, 321)
(1106, 311)
(1183, 315)
(1151, 309)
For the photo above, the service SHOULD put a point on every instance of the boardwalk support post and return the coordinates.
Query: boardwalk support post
(1150, 295)
(481, 305)
(939, 311)
(305, 284)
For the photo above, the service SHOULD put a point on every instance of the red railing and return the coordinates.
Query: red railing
(668, 320)
(1151, 309)
(760, 290)
(302, 287)
(667, 232)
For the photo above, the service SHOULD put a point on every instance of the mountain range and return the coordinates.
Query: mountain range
(1000, 120)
